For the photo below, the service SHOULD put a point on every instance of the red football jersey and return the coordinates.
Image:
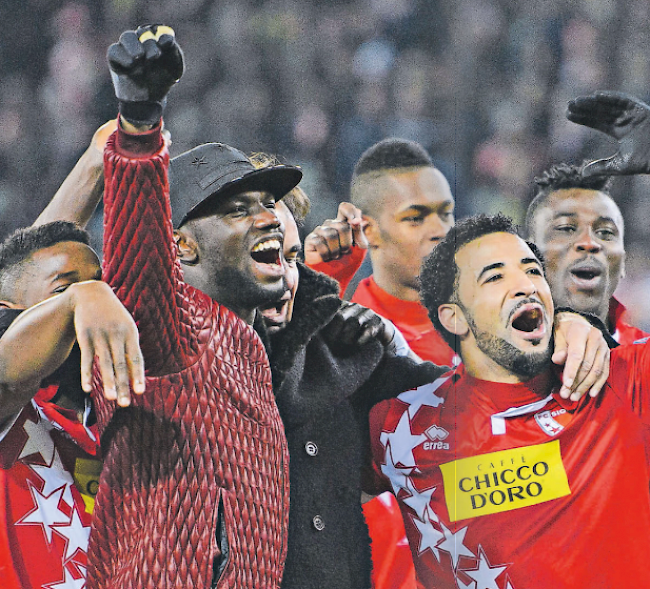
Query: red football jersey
(48, 476)
(509, 486)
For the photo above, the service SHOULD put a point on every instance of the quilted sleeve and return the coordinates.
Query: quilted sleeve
(139, 251)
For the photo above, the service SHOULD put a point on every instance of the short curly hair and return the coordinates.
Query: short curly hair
(22, 243)
(439, 273)
(562, 177)
(387, 156)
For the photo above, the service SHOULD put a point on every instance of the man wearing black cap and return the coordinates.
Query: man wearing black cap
(194, 491)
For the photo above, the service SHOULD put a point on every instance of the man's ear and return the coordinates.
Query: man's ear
(188, 249)
(371, 231)
(453, 319)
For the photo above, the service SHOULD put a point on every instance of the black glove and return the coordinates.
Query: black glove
(354, 325)
(144, 65)
(623, 117)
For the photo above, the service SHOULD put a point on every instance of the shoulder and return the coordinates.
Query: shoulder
(427, 399)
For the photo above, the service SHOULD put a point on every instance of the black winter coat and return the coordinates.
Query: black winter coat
(324, 397)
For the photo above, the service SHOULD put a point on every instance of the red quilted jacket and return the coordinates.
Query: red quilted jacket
(205, 444)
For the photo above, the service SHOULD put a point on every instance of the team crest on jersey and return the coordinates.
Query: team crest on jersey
(436, 435)
(552, 422)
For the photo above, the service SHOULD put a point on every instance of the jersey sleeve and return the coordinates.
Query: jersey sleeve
(629, 376)
(140, 261)
(344, 269)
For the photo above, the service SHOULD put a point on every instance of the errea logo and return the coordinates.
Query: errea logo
(436, 434)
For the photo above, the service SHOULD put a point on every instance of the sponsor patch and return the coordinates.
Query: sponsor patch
(86, 478)
(504, 481)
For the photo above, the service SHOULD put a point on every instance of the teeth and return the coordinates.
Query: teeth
(271, 244)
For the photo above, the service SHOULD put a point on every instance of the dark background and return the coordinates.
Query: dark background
(483, 84)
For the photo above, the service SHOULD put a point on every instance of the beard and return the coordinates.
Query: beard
(523, 364)
(238, 290)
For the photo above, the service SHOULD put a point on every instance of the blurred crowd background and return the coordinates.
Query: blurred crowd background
(482, 84)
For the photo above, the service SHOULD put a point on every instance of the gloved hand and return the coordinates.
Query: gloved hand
(354, 325)
(622, 117)
(144, 65)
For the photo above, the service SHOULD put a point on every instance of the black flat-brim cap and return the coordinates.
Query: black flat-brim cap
(216, 170)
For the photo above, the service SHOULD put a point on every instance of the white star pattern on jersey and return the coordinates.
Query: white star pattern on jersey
(39, 440)
(423, 395)
(397, 476)
(68, 582)
(46, 512)
(453, 543)
(399, 446)
(419, 501)
(76, 534)
(430, 537)
(402, 442)
(485, 574)
(54, 477)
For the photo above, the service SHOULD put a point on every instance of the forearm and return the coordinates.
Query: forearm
(34, 346)
(78, 196)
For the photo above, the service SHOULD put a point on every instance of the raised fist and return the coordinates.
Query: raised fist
(335, 237)
(144, 65)
(623, 117)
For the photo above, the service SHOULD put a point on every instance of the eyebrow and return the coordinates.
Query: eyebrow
(426, 208)
(74, 275)
(574, 215)
(523, 262)
(488, 268)
(64, 275)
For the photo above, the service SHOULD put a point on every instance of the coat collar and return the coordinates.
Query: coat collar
(317, 301)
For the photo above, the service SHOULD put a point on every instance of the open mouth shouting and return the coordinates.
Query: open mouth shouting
(267, 257)
(587, 275)
(277, 314)
(528, 321)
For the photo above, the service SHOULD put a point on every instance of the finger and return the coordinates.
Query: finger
(371, 330)
(336, 240)
(592, 376)
(348, 212)
(603, 167)
(132, 46)
(119, 58)
(584, 359)
(600, 382)
(151, 49)
(87, 358)
(359, 321)
(315, 243)
(343, 234)
(121, 372)
(105, 363)
(571, 339)
(135, 364)
(335, 326)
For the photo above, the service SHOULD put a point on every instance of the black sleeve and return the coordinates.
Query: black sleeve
(7, 317)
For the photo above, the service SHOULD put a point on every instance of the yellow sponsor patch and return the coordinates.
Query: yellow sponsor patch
(505, 480)
(86, 478)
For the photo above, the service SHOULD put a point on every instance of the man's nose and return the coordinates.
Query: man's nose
(266, 218)
(436, 228)
(523, 286)
(586, 242)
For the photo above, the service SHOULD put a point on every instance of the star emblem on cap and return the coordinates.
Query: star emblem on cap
(198, 161)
